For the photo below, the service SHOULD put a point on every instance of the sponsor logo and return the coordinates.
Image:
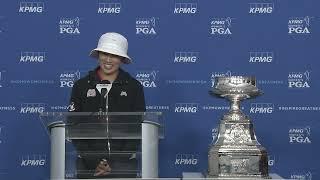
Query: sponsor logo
(147, 78)
(33, 160)
(221, 26)
(109, 7)
(181, 81)
(31, 7)
(186, 107)
(212, 107)
(67, 78)
(7, 108)
(146, 26)
(299, 108)
(186, 57)
(275, 82)
(185, 8)
(261, 108)
(261, 8)
(59, 108)
(187, 159)
(214, 134)
(271, 160)
(157, 107)
(219, 74)
(261, 57)
(300, 135)
(299, 25)
(302, 176)
(69, 25)
(30, 108)
(299, 79)
(32, 57)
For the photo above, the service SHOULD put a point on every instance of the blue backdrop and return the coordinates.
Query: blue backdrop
(178, 47)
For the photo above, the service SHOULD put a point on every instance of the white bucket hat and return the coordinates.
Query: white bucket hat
(113, 43)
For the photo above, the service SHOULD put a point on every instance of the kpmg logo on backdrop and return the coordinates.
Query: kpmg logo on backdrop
(261, 8)
(35, 160)
(31, 7)
(219, 74)
(147, 78)
(301, 175)
(299, 25)
(187, 159)
(146, 26)
(300, 135)
(109, 7)
(185, 7)
(261, 57)
(299, 79)
(261, 108)
(30, 108)
(69, 25)
(186, 108)
(67, 78)
(221, 26)
(186, 57)
(32, 57)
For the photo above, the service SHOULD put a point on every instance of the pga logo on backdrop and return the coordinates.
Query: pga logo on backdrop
(299, 25)
(146, 26)
(147, 78)
(32, 57)
(261, 8)
(69, 25)
(185, 7)
(67, 78)
(300, 135)
(219, 74)
(109, 7)
(31, 7)
(299, 79)
(221, 26)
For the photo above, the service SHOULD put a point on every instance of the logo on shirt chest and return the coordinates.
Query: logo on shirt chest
(91, 93)
(123, 93)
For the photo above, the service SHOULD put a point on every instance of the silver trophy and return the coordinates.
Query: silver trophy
(236, 153)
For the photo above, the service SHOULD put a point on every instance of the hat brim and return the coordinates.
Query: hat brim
(95, 54)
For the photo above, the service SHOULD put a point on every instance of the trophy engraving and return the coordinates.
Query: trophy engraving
(236, 154)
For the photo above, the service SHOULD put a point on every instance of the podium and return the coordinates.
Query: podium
(127, 141)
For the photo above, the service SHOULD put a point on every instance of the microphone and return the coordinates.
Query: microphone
(104, 87)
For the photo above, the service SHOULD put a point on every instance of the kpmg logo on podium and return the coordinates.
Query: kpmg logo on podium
(299, 79)
(261, 57)
(30, 108)
(299, 25)
(109, 7)
(186, 57)
(69, 25)
(146, 26)
(301, 175)
(33, 160)
(185, 8)
(31, 7)
(147, 78)
(261, 8)
(67, 78)
(32, 57)
(300, 135)
(187, 159)
(261, 108)
(186, 108)
(221, 26)
(219, 74)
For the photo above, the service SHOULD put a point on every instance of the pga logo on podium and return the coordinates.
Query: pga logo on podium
(69, 25)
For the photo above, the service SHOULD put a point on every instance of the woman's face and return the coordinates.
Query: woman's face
(109, 63)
